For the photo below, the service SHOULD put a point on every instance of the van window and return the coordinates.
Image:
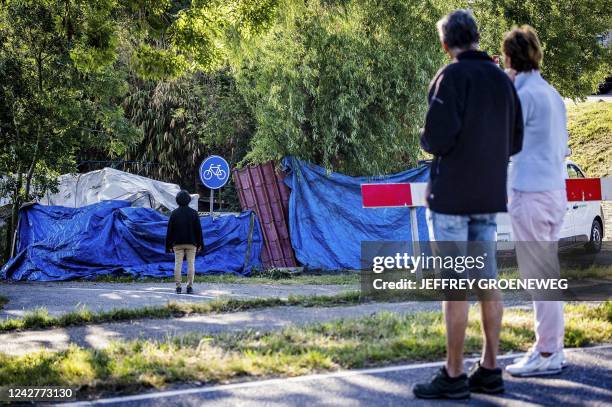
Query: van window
(574, 172)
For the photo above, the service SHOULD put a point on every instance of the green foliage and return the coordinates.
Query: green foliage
(59, 92)
(180, 37)
(342, 84)
(590, 132)
(185, 119)
(156, 64)
(58, 110)
(574, 61)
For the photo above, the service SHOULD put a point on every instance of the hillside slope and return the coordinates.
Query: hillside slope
(590, 131)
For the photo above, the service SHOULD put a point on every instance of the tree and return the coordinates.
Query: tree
(185, 119)
(341, 83)
(58, 92)
(176, 37)
(574, 61)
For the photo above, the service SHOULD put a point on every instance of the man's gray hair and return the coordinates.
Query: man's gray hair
(459, 30)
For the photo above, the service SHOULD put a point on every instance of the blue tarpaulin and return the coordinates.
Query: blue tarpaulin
(110, 237)
(327, 222)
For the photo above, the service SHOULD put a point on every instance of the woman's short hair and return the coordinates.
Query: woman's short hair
(523, 48)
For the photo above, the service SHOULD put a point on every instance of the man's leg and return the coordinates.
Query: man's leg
(482, 228)
(491, 313)
(450, 382)
(456, 319)
(190, 253)
(178, 264)
(452, 228)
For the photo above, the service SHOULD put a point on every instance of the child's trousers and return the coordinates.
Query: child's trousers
(188, 251)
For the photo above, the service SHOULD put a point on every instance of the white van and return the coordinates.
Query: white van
(583, 223)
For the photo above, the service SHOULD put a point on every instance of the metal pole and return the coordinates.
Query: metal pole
(416, 248)
(212, 195)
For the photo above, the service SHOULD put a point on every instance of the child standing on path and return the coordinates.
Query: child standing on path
(184, 238)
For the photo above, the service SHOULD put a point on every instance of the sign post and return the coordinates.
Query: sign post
(399, 195)
(214, 174)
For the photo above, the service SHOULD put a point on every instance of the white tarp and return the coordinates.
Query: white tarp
(109, 184)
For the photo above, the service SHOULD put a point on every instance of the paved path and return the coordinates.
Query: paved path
(60, 298)
(587, 382)
(99, 336)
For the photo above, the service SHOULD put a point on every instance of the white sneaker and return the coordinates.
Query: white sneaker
(564, 363)
(526, 355)
(534, 364)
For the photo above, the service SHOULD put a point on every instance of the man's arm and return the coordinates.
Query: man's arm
(443, 121)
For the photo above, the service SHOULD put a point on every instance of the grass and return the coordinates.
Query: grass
(3, 301)
(342, 278)
(349, 343)
(590, 131)
(274, 276)
(40, 318)
(594, 271)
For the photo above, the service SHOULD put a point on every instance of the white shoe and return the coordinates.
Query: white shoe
(534, 364)
(564, 363)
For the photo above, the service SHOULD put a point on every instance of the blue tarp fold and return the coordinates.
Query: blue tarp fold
(110, 237)
(327, 222)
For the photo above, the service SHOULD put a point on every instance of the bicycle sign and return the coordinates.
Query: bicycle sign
(214, 172)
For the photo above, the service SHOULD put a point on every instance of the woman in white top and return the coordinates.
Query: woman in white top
(537, 202)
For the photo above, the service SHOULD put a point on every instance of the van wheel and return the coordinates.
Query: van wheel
(594, 245)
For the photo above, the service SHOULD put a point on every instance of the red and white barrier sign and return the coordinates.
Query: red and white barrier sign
(413, 194)
(393, 195)
(589, 189)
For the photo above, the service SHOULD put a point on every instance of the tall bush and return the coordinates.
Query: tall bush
(342, 83)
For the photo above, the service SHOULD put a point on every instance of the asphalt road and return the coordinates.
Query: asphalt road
(587, 382)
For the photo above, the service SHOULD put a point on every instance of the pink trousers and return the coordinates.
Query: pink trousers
(537, 218)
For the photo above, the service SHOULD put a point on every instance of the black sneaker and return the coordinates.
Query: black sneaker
(442, 386)
(189, 290)
(179, 290)
(483, 380)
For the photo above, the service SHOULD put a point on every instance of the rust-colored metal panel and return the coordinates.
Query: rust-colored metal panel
(261, 189)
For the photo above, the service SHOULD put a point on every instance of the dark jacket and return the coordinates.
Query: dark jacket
(184, 228)
(473, 126)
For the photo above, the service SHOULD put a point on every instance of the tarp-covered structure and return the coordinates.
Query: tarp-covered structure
(327, 222)
(76, 190)
(112, 237)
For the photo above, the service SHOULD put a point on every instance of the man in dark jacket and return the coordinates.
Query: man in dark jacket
(184, 238)
(473, 126)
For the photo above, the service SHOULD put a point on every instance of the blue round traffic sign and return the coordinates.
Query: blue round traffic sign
(214, 172)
